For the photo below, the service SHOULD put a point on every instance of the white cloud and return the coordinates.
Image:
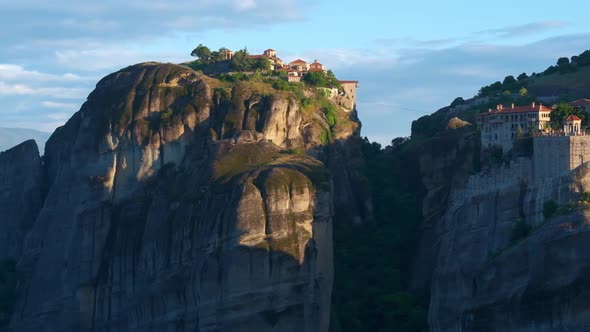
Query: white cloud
(11, 72)
(479, 71)
(62, 106)
(245, 4)
(112, 58)
(525, 29)
(59, 116)
(55, 92)
(15, 89)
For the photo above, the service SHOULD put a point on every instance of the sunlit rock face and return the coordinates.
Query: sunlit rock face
(174, 202)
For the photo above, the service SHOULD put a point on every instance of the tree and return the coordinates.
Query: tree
(203, 53)
(562, 111)
(509, 80)
(523, 92)
(218, 56)
(563, 62)
(240, 61)
(458, 101)
(315, 78)
(262, 63)
(522, 76)
(331, 80)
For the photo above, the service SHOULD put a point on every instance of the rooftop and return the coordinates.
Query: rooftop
(572, 117)
(580, 102)
(500, 109)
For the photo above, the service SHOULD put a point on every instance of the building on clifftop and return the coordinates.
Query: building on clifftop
(500, 127)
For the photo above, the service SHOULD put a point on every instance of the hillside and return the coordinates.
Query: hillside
(568, 86)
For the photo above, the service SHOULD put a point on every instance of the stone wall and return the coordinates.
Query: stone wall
(494, 179)
(556, 155)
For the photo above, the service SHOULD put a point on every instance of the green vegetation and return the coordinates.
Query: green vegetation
(585, 198)
(520, 231)
(458, 101)
(241, 62)
(549, 208)
(546, 82)
(562, 111)
(330, 111)
(321, 79)
(206, 56)
(508, 86)
(372, 261)
(7, 290)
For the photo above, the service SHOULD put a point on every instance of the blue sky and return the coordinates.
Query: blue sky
(411, 58)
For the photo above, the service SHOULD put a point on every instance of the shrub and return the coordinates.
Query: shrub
(330, 112)
(166, 115)
(280, 84)
(520, 230)
(325, 137)
(549, 208)
(585, 197)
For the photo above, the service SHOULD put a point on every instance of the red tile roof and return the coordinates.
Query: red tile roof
(572, 117)
(580, 102)
(289, 70)
(345, 82)
(270, 49)
(316, 69)
(298, 61)
(518, 109)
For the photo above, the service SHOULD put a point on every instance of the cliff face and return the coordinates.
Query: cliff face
(487, 274)
(20, 196)
(177, 203)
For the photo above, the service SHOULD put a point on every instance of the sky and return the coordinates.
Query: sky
(411, 58)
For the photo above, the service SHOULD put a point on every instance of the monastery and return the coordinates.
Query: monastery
(294, 69)
(555, 152)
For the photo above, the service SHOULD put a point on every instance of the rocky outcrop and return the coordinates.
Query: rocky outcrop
(485, 272)
(444, 163)
(178, 203)
(20, 196)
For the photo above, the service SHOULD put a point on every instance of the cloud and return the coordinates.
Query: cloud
(59, 116)
(132, 20)
(525, 29)
(62, 106)
(11, 72)
(55, 92)
(416, 43)
(15, 89)
(479, 71)
(395, 89)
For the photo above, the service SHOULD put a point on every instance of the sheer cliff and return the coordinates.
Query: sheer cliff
(500, 250)
(177, 202)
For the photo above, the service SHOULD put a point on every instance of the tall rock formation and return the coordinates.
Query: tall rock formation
(20, 196)
(177, 202)
(492, 255)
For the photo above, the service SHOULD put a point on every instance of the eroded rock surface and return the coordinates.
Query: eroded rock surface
(175, 203)
(483, 274)
(20, 196)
